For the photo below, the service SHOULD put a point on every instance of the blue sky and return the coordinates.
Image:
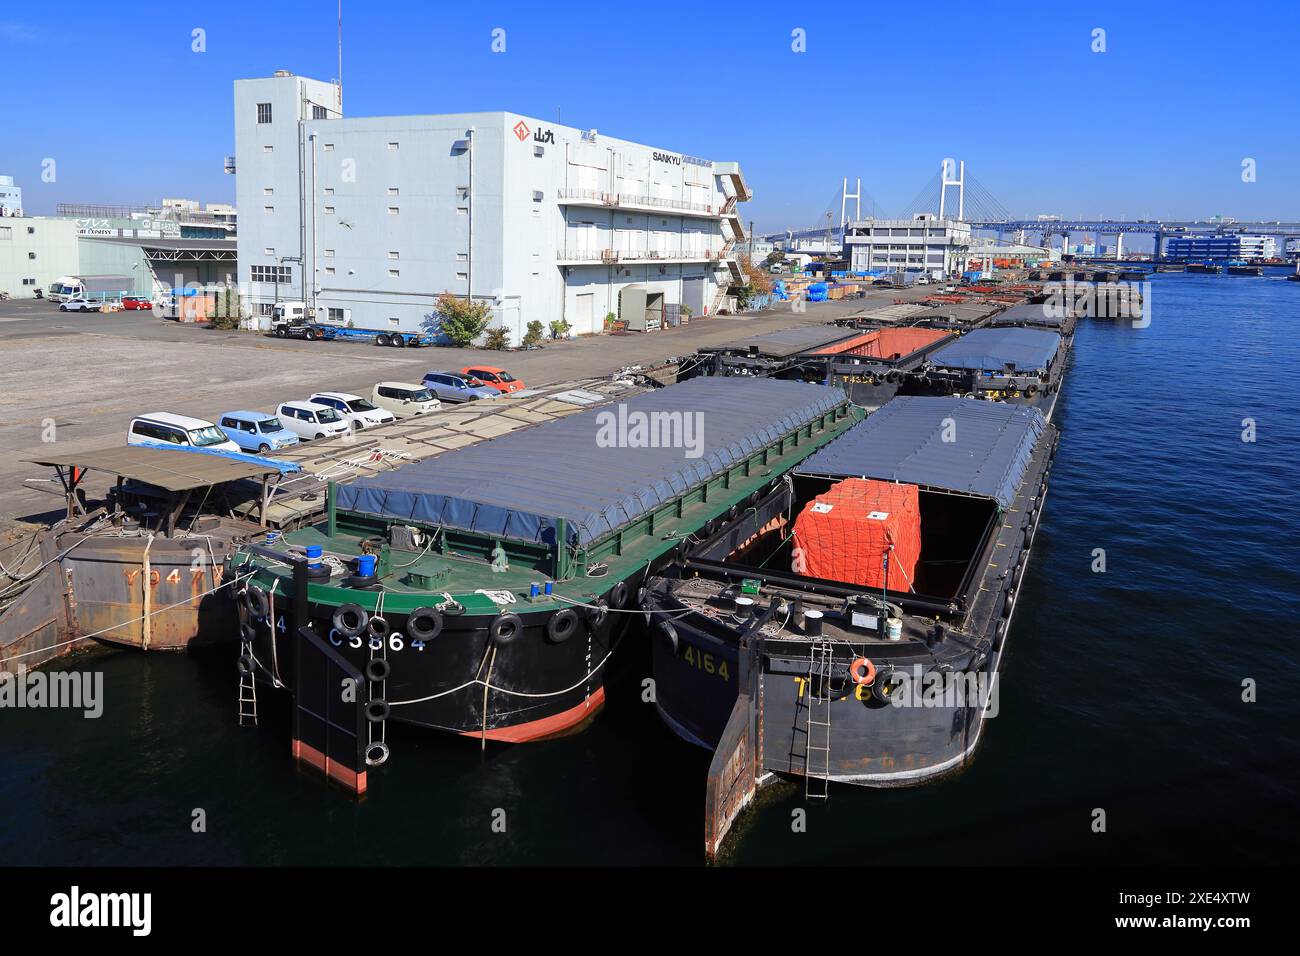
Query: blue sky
(1156, 126)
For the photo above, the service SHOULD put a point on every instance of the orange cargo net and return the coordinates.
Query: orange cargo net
(887, 343)
(844, 533)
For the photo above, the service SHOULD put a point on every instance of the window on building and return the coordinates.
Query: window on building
(6, 232)
(268, 191)
(281, 274)
(328, 147)
(319, 112)
(462, 257)
(264, 112)
(392, 210)
(329, 190)
(269, 252)
(336, 315)
(394, 273)
(268, 209)
(329, 253)
(29, 282)
(392, 254)
(462, 210)
(392, 146)
(329, 270)
(462, 276)
(329, 210)
(268, 149)
(31, 255)
(392, 190)
(393, 320)
(265, 308)
(31, 230)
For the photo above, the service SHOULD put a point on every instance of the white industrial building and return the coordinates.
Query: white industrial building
(370, 219)
(923, 244)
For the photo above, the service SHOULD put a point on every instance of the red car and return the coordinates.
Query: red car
(136, 302)
(494, 377)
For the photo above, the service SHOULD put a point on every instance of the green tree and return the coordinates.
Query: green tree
(460, 321)
(534, 333)
(559, 329)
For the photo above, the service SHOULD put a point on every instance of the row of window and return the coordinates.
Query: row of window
(7, 232)
(280, 274)
(264, 112)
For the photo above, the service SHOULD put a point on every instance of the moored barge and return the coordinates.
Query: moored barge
(482, 592)
(768, 654)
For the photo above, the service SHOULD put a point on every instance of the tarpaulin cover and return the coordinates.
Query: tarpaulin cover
(1041, 313)
(887, 343)
(518, 485)
(957, 444)
(992, 350)
(845, 533)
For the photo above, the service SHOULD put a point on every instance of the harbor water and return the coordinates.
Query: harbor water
(1121, 698)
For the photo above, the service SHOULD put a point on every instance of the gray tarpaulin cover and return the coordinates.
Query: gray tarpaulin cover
(904, 441)
(990, 350)
(1040, 313)
(516, 486)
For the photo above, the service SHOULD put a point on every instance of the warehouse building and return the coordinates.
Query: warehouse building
(34, 252)
(369, 219)
(924, 244)
(1220, 247)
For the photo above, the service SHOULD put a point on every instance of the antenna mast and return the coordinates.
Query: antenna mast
(340, 80)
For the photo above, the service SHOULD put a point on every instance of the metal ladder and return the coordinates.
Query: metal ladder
(247, 691)
(817, 748)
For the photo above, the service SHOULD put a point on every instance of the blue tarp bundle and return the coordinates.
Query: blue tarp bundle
(992, 350)
(1042, 313)
(283, 467)
(517, 486)
(990, 448)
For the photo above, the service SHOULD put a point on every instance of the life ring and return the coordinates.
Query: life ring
(376, 753)
(377, 710)
(378, 627)
(862, 672)
(378, 669)
(618, 596)
(350, 619)
(505, 629)
(244, 664)
(424, 623)
(597, 613)
(256, 601)
(561, 625)
(670, 635)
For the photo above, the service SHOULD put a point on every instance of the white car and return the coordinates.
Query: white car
(357, 411)
(79, 305)
(164, 428)
(310, 420)
(404, 399)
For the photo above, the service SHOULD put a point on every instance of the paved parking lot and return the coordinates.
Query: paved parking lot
(89, 374)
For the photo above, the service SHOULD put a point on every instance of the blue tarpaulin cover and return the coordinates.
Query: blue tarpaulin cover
(1041, 313)
(518, 485)
(991, 350)
(992, 444)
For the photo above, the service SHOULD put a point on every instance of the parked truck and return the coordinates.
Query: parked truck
(297, 320)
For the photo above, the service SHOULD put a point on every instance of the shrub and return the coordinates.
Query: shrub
(460, 321)
(560, 329)
(498, 338)
(534, 333)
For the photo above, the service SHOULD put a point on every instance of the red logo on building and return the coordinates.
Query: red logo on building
(522, 130)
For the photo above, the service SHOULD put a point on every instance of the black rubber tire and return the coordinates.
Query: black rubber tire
(596, 615)
(247, 632)
(618, 595)
(376, 753)
(377, 710)
(381, 338)
(256, 601)
(562, 625)
(1009, 603)
(880, 687)
(279, 332)
(340, 619)
(670, 635)
(310, 335)
(263, 449)
(378, 627)
(999, 634)
(505, 629)
(378, 669)
(397, 341)
(416, 627)
(244, 665)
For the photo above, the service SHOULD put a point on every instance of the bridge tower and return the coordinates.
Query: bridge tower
(946, 179)
(845, 196)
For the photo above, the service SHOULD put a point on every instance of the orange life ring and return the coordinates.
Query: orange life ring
(857, 675)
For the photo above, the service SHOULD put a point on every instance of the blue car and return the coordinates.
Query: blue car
(455, 387)
(257, 432)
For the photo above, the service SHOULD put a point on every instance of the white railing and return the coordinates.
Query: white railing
(640, 255)
(597, 197)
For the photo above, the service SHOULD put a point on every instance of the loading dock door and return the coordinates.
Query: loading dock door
(585, 313)
(693, 294)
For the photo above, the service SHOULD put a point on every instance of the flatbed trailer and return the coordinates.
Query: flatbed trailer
(314, 331)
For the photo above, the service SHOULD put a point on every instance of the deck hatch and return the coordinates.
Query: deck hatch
(992, 350)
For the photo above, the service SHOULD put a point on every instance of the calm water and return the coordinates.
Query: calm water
(1121, 690)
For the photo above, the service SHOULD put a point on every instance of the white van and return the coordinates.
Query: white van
(404, 399)
(164, 428)
(310, 420)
